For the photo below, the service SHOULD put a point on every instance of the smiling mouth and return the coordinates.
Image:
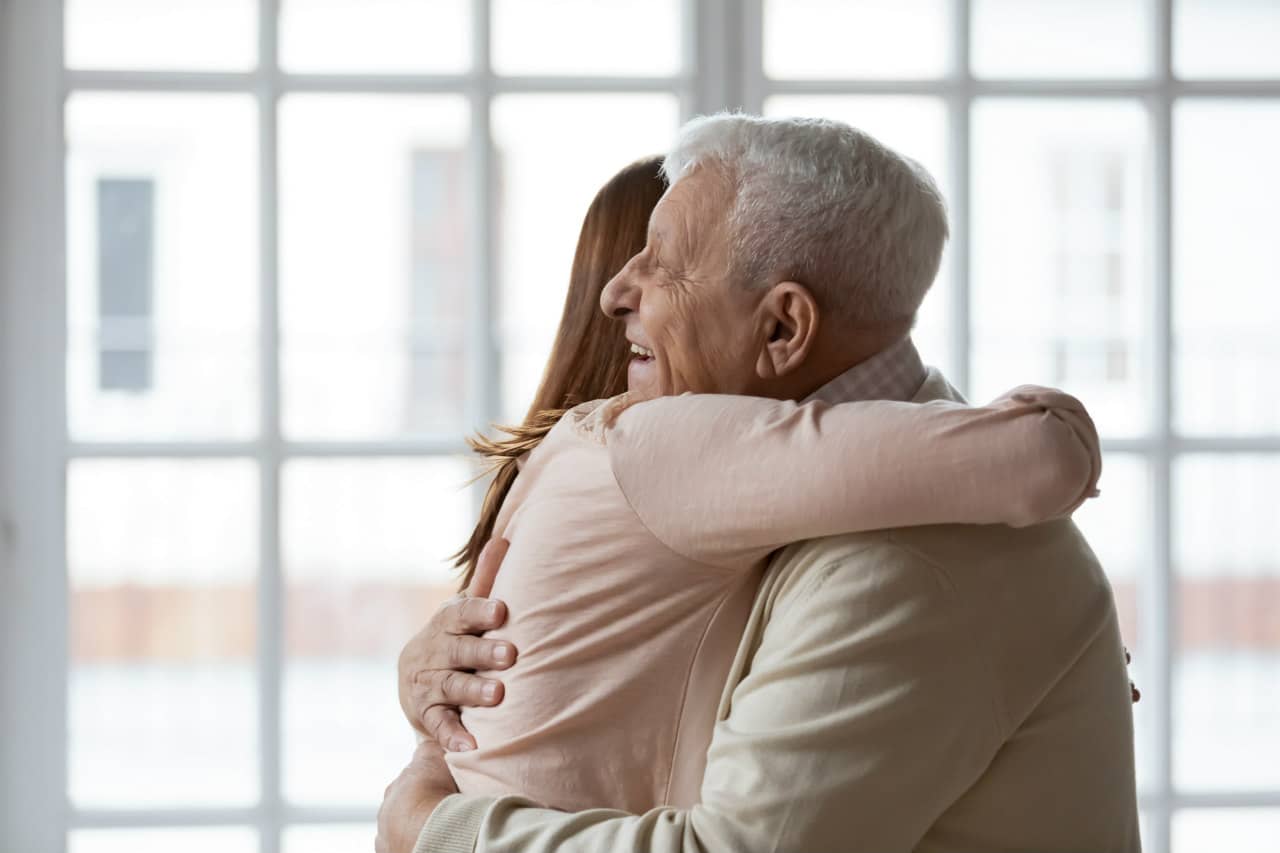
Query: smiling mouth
(640, 353)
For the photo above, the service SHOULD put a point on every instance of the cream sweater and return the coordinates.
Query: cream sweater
(935, 688)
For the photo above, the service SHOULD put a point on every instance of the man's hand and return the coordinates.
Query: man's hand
(435, 671)
(411, 798)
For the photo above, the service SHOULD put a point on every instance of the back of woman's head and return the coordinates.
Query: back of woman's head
(590, 354)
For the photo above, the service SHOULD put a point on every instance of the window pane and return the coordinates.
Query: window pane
(162, 557)
(148, 35)
(1061, 228)
(374, 265)
(1226, 38)
(1118, 527)
(915, 127)
(375, 36)
(1227, 673)
(1061, 38)
(547, 184)
(1226, 192)
(811, 39)
(366, 546)
(162, 266)
(585, 37)
(1237, 830)
(210, 840)
(332, 838)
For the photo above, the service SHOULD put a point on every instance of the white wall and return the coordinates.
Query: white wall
(32, 603)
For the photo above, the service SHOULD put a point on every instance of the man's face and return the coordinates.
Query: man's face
(693, 328)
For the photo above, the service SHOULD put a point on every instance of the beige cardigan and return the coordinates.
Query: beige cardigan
(940, 688)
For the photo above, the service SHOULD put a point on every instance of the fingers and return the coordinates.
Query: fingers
(442, 691)
(491, 557)
(472, 615)
(468, 652)
(444, 727)
(428, 752)
(452, 687)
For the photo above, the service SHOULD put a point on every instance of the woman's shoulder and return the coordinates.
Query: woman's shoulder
(592, 419)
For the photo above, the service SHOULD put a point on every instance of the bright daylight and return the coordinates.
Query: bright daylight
(850, 398)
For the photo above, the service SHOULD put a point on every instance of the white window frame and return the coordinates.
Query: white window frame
(723, 68)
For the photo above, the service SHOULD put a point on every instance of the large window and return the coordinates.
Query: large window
(309, 244)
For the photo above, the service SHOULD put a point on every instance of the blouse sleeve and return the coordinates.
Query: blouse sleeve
(725, 480)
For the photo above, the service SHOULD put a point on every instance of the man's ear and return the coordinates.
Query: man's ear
(790, 317)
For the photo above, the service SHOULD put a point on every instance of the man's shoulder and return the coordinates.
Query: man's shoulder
(943, 546)
(848, 574)
(989, 572)
(1015, 607)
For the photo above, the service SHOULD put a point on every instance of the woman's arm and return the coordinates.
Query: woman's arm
(726, 479)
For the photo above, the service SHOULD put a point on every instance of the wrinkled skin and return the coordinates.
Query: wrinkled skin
(675, 299)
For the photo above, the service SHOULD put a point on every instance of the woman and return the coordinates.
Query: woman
(589, 357)
(588, 361)
(639, 530)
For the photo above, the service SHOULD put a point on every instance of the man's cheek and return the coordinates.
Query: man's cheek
(684, 343)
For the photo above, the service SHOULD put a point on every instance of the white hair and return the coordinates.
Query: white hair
(823, 204)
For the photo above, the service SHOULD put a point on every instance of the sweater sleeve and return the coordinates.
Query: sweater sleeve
(725, 480)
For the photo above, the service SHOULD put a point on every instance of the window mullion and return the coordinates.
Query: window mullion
(33, 566)
(484, 360)
(271, 601)
(1162, 604)
(753, 82)
(960, 106)
(714, 54)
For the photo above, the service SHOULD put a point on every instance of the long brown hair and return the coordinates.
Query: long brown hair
(590, 354)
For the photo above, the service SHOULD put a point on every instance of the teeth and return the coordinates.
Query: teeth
(641, 351)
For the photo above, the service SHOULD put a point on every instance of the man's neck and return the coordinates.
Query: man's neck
(833, 371)
(894, 373)
(839, 354)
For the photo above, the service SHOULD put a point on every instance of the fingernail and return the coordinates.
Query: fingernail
(461, 746)
(490, 692)
(502, 654)
(492, 610)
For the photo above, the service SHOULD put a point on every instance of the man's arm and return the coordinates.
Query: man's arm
(867, 711)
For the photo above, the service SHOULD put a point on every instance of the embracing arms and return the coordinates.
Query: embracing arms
(788, 725)
(865, 706)
(723, 479)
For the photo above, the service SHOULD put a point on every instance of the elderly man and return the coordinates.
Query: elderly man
(934, 688)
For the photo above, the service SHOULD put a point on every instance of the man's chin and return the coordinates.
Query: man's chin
(642, 377)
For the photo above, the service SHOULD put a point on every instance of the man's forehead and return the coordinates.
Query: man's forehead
(693, 202)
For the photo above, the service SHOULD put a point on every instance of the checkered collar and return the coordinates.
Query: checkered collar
(894, 373)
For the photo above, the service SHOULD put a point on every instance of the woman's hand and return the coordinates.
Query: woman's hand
(436, 666)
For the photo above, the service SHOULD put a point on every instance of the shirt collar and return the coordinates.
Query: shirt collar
(894, 373)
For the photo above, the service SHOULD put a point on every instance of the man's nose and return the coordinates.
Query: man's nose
(620, 296)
